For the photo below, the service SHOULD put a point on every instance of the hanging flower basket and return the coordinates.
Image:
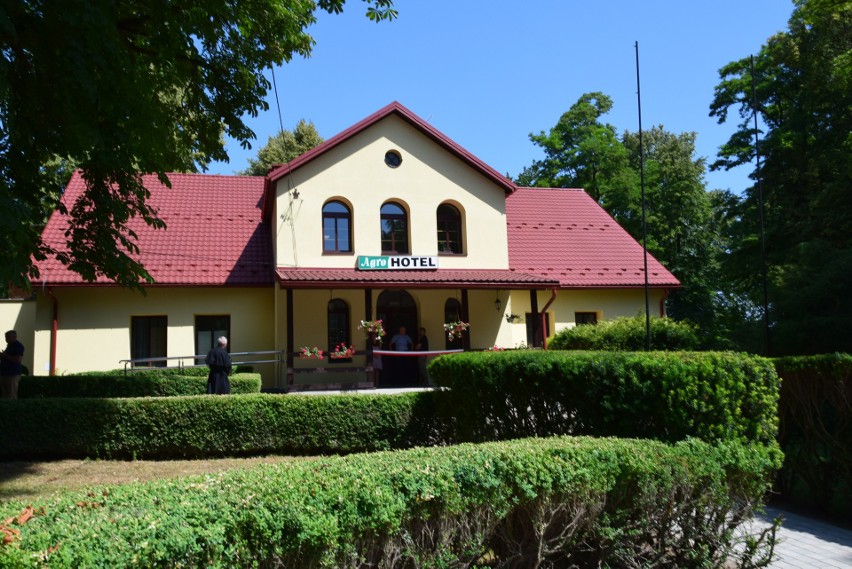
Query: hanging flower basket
(307, 353)
(342, 352)
(372, 327)
(454, 329)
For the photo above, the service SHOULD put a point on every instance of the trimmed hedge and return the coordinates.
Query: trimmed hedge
(199, 426)
(628, 334)
(136, 384)
(527, 503)
(664, 395)
(660, 395)
(815, 432)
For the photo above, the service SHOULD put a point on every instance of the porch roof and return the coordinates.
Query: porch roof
(289, 277)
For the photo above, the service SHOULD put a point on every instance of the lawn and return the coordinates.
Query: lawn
(34, 480)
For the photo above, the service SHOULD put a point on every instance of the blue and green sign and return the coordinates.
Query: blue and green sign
(396, 263)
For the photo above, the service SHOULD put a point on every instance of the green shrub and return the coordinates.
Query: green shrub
(525, 503)
(627, 334)
(199, 426)
(660, 395)
(137, 384)
(493, 396)
(815, 431)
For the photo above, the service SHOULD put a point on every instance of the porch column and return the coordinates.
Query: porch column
(368, 315)
(536, 335)
(290, 343)
(465, 316)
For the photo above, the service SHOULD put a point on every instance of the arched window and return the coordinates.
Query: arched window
(449, 230)
(336, 228)
(394, 229)
(452, 313)
(338, 325)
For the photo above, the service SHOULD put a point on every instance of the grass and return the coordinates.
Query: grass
(33, 480)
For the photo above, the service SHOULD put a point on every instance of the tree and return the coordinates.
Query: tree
(581, 151)
(124, 87)
(803, 92)
(283, 147)
(679, 219)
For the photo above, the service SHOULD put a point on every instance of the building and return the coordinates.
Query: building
(388, 220)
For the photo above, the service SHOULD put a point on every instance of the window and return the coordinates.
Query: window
(148, 340)
(338, 327)
(393, 158)
(449, 230)
(208, 329)
(336, 228)
(394, 229)
(534, 333)
(585, 318)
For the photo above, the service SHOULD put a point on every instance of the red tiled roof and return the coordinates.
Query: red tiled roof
(563, 234)
(442, 278)
(214, 233)
(418, 123)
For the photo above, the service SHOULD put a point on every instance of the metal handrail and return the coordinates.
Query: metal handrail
(181, 365)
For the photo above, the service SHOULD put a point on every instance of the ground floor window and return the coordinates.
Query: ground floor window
(208, 329)
(148, 339)
(338, 328)
(585, 318)
(534, 332)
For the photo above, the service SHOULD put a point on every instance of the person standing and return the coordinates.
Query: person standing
(400, 367)
(422, 346)
(11, 366)
(219, 362)
(401, 342)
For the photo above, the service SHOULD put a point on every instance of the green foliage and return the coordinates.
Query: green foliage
(627, 334)
(660, 395)
(582, 152)
(136, 384)
(123, 87)
(525, 503)
(283, 147)
(199, 426)
(663, 395)
(815, 431)
(803, 95)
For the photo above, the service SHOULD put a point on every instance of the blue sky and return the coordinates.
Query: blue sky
(488, 73)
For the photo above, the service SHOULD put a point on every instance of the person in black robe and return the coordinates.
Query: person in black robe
(219, 362)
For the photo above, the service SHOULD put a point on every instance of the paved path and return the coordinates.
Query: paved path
(807, 543)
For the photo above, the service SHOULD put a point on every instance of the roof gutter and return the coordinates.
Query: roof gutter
(542, 313)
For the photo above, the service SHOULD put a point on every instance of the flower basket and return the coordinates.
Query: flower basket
(373, 327)
(454, 330)
(307, 353)
(494, 348)
(342, 352)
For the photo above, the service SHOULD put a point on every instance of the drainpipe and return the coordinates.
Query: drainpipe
(543, 311)
(663, 303)
(53, 331)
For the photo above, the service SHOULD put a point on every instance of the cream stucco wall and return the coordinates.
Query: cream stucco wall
(355, 173)
(94, 324)
(606, 303)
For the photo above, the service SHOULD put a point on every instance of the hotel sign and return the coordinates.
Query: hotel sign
(395, 263)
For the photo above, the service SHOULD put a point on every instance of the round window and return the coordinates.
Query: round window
(393, 158)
